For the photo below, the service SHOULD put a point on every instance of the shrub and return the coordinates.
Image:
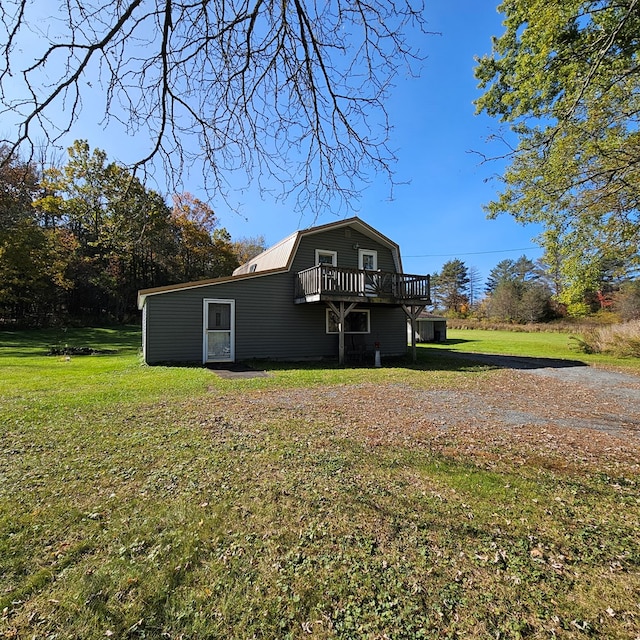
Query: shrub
(627, 300)
(578, 309)
(622, 340)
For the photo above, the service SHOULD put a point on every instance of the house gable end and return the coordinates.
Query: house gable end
(345, 242)
(284, 254)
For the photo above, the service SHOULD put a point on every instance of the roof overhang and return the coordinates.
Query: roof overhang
(143, 294)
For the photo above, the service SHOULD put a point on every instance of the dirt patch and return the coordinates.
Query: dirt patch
(615, 382)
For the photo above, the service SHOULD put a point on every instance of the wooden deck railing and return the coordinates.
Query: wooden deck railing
(335, 282)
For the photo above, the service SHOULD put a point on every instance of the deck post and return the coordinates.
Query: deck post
(341, 312)
(413, 311)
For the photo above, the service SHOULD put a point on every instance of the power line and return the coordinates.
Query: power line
(468, 253)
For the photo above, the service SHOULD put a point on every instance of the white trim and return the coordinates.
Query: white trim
(367, 252)
(327, 252)
(144, 333)
(365, 311)
(368, 279)
(143, 294)
(232, 330)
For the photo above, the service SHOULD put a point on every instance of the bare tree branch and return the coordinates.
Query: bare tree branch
(290, 90)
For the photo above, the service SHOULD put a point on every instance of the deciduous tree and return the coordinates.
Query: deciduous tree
(202, 250)
(35, 260)
(127, 236)
(475, 286)
(294, 91)
(627, 300)
(249, 247)
(566, 78)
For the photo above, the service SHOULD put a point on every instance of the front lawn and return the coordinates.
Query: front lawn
(166, 502)
(537, 344)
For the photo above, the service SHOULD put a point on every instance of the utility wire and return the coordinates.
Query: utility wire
(468, 253)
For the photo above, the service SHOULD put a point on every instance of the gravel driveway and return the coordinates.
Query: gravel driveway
(566, 414)
(591, 397)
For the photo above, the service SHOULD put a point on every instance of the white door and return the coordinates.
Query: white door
(219, 331)
(368, 261)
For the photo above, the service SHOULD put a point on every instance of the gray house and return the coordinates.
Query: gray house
(336, 290)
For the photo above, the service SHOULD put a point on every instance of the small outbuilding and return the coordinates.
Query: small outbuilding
(431, 328)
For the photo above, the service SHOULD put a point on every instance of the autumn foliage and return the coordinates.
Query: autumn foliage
(77, 242)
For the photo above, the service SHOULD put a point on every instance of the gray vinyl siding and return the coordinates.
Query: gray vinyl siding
(389, 328)
(267, 322)
(342, 241)
(174, 330)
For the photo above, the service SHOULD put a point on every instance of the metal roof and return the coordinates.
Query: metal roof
(275, 257)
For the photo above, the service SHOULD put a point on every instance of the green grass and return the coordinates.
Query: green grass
(149, 502)
(535, 345)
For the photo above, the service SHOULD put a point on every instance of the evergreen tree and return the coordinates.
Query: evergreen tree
(451, 286)
(504, 271)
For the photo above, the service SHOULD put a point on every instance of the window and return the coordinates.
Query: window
(357, 321)
(367, 259)
(327, 257)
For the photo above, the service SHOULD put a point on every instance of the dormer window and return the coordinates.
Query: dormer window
(326, 257)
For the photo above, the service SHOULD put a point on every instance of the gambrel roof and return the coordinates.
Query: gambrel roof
(280, 256)
(275, 257)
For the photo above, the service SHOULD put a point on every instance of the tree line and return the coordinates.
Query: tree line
(78, 241)
(524, 291)
(295, 94)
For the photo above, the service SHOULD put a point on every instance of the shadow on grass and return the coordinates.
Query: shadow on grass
(429, 360)
(440, 359)
(499, 361)
(39, 342)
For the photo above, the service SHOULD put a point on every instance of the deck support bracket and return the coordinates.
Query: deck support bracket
(341, 312)
(413, 311)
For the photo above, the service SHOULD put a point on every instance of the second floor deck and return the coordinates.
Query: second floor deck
(325, 282)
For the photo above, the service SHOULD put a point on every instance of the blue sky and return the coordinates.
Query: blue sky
(438, 214)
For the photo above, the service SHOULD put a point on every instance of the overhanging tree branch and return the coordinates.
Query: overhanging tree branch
(291, 91)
